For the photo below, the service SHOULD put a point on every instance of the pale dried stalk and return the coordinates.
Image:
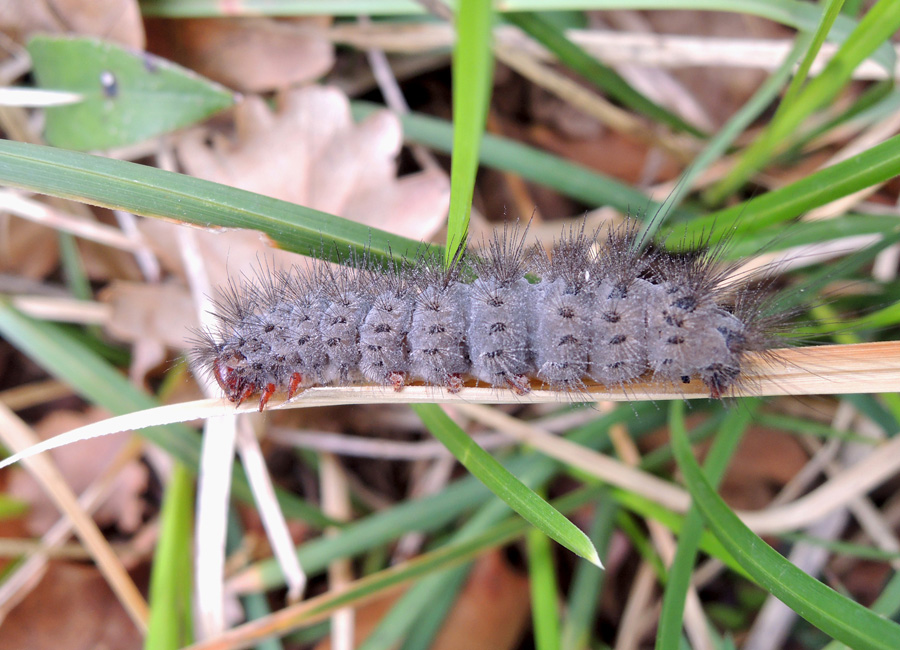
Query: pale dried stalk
(826, 370)
(591, 103)
(13, 202)
(336, 504)
(613, 48)
(17, 435)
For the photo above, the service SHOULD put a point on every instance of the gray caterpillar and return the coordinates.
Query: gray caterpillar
(603, 309)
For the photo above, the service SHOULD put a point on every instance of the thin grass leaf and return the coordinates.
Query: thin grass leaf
(834, 614)
(418, 614)
(638, 537)
(429, 623)
(881, 21)
(433, 511)
(544, 591)
(832, 11)
(506, 486)
(607, 79)
(876, 165)
(721, 452)
(170, 581)
(675, 522)
(587, 584)
(845, 548)
(151, 192)
(375, 586)
(473, 70)
(722, 140)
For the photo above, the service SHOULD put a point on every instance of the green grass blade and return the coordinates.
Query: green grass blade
(723, 448)
(62, 355)
(473, 70)
(431, 512)
(153, 192)
(832, 10)
(876, 165)
(435, 611)
(544, 591)
(876, 27)
(831, 612)
(420, 612)
(587, 584)
(610, 81)
(170, 582)
(446, 557)
(506, 486)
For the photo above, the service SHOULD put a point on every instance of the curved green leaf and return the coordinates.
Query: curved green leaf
(828, 610)
(506, 486)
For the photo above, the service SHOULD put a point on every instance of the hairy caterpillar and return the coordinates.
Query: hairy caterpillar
(602, 309)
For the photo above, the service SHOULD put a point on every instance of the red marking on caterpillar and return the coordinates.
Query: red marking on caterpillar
(602, 310)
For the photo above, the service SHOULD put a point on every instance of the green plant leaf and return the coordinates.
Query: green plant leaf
(506, 486)
(152, 192)
(876, 165)
(170, 581)
(544, 591)
(828, 610)
(473, 69)
(876, 27)
(725, 444)
(128, 96)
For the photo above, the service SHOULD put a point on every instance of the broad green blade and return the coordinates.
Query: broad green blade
(170, 581)
(876, 165)
(680, 572)
(128, 96)
(875, 28)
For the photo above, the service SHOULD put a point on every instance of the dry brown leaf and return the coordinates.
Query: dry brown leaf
(490, 613)
(112, 20)
(311, 153)
(72, 608)
(161, 312)
(248, 54)
(153, 318)
(769, 459)
(492, 610)
(81, 464)
(27, 249)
